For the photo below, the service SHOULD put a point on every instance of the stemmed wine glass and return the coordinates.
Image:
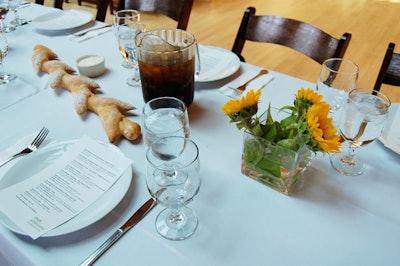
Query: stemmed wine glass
(4, 76)
(121, 17)
(337, 78)
(127, 47)
(361, 121)
(173, 179)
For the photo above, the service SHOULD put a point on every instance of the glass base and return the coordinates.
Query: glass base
(176, 227)
(133, 81)
(7, 77)
(347, 165)
(126, 64)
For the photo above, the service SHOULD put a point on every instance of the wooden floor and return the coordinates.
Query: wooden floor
(372, 23)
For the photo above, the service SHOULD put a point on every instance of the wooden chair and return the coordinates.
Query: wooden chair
(101, 6)
(390, 69)
(57, 3)
(102, 9)
(178, 10)
(300, 36)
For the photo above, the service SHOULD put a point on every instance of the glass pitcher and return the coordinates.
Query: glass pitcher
(167, 64)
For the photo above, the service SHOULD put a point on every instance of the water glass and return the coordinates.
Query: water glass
(122, 17)
(5, 77)
(362, 120)
(127, 48)
(162, 117)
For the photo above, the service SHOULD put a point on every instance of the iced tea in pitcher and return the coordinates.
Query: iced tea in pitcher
(167, 64)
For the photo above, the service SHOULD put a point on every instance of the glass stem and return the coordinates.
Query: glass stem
(176, 217)
(348, 158)
(2, 73)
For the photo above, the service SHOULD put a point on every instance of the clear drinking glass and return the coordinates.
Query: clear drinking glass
(3, 12)
(173, 179)
(17, 21)
(122, 17)
(127, 48)
(162, 117)
(4, 76)
(337, 78)
(361, 121)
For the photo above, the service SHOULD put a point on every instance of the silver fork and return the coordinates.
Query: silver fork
(84, 32)
(240, 89)
(32, 147)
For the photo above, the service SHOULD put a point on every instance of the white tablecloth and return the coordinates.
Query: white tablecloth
(332, 220)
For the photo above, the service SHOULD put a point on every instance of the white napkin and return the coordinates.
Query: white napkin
(15, 91)
(391, 135)
(258, 83)
(90, 34)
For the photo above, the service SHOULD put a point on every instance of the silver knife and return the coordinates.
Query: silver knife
(134, 219)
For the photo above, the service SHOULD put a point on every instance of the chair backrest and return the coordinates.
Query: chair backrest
(57, 3)
(390, 69)
(300, 36)
(102, 6)
(178, 10)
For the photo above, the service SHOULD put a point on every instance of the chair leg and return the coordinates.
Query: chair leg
(111, 7)
(58, 4)
(101, 10)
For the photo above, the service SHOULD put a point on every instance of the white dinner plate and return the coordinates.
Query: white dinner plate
(216, 63)
(390, 136)
(44, 157)
(62, 19)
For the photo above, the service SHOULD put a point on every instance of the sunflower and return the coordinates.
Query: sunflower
(308, 119)
(235, 106)
(307, 98)
(322, 129)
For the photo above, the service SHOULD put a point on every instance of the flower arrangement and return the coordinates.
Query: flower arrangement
(277, 152)
(308, 120)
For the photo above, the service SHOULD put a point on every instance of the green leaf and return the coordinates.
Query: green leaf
(270, 165)
(253, 151)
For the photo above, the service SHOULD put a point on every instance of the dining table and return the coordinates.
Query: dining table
(331, 219)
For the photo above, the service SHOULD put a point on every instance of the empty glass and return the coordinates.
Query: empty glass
(173, 179)
(337, 78)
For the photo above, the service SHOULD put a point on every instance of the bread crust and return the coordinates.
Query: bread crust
(110, 110)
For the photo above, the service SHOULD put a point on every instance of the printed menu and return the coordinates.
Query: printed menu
(64, 189)
(213, 61)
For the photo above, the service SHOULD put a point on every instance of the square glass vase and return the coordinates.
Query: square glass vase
(273, 165)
